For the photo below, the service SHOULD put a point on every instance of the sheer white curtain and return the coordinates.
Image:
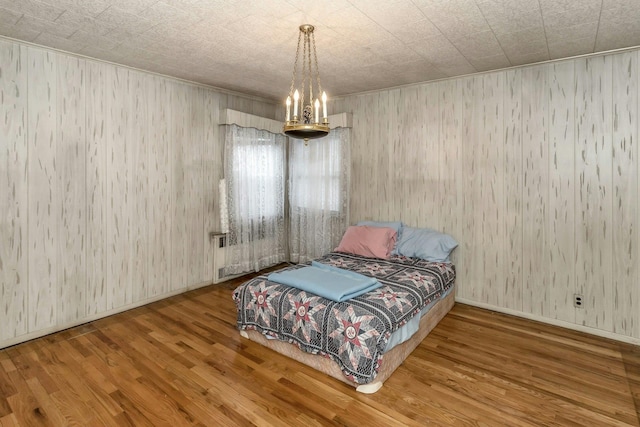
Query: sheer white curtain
(318, 194)
(255, 176)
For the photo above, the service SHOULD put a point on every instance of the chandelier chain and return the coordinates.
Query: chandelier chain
(315, 54)
(304, 73)
(308, 39)
(295, 67)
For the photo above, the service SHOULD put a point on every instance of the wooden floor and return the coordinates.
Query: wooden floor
(181, 362)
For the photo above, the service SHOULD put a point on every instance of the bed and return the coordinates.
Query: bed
(360, 341)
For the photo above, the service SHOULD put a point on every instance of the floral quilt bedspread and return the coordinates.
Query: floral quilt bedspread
(353, 333)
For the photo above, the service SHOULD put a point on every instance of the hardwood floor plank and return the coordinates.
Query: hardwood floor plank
(567, 381)
(489, 395)
(131, 415)
(542, 382)
(9, 421)
(225, 417)
(46, 403)
(428, 406)
(631, 360)
(5, 409)
(24, 404)
(315, 408)
(182, 362)
(322, 388)
(101, 389)
(259, 410)
(6, 389)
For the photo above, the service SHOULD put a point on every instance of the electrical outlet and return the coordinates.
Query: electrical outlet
(577, 301)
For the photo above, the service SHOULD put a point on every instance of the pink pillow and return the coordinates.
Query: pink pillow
(373, 242)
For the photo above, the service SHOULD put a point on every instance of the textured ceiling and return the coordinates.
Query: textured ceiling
(249, 46)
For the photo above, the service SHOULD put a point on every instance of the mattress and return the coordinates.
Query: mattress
(405, 332)
(354, 334)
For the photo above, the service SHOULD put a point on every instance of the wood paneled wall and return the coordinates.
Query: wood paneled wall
(108, 184)
(108, 187)
(533, 170)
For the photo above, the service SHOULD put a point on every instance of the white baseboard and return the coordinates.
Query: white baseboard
(57, 328)
(555, 322)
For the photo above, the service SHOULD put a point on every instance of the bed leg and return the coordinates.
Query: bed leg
(369, 388)
(244, 334)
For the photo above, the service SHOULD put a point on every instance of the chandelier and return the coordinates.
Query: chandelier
(305, 121)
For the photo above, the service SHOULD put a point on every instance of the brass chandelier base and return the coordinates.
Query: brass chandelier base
(306, 131)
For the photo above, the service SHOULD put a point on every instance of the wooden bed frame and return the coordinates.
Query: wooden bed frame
(390, 362)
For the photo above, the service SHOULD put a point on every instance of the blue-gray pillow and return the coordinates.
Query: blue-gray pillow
(396, 225)
(426, 244)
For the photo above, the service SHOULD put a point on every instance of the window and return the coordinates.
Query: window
(318, 194)
(254, 172)
(318, 197)
(261, 163)
(317, 174)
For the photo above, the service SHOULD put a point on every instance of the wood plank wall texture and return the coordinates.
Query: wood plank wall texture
(535, 172)
(108, 187)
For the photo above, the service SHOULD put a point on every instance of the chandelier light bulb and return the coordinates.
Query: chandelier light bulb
(324, 105)
(296, 96)
(288, 108)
